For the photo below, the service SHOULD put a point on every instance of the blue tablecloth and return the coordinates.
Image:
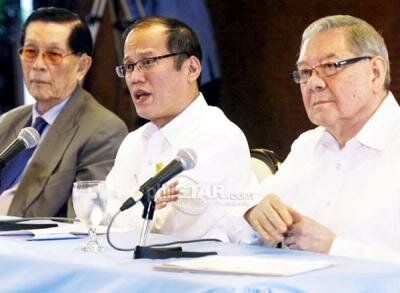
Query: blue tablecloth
(60, 266)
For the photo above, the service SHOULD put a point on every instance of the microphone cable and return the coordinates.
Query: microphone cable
(152, 245)
(109, 238)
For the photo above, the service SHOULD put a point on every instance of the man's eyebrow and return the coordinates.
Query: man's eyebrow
(330, 55)
(141, 55)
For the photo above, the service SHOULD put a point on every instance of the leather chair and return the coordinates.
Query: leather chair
(264, 162)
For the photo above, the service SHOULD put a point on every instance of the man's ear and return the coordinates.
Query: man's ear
(379, 68)
(85, 62)
(193, 68)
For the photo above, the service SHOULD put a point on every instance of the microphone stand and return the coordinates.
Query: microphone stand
(142, 251)
(148, 212)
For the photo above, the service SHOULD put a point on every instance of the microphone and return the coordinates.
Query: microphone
(27, 138)
(185, 159)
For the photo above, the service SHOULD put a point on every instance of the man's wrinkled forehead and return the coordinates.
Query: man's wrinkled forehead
(323, 46)
(70, 25)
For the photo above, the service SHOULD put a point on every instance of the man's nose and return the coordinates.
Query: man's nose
(39, 62)
(315, 82)
(135, 76)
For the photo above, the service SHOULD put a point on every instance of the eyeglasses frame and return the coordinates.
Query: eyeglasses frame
(43, 52)
(296, 74)
(119, 69)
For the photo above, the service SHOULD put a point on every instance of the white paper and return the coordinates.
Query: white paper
(77, 229)
(41, 237)
(63, 231)
(7, 218)
(253, 265)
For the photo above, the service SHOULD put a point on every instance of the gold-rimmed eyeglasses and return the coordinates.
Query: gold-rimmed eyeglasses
(324, 70)
(49, 57)
(141, 65)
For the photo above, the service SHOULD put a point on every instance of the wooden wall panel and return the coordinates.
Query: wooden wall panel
(258, 43)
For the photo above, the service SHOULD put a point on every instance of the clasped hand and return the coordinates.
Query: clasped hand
(276, 222)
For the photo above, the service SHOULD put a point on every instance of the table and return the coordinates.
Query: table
(60, 266)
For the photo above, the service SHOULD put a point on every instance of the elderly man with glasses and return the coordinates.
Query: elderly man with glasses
(78, 137)
(161, 67)
(338, 190)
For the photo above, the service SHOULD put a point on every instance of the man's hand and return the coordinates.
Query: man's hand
(307, 234)
(167, 194)
(270, 218)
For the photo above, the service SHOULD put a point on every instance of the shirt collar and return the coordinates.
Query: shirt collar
(325, 141)
(149, 129)
(172, 131)
(379, 129)
(51, 114)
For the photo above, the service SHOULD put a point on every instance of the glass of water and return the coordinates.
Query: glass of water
(89, 199)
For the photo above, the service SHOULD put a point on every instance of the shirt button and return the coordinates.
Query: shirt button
(338, 166)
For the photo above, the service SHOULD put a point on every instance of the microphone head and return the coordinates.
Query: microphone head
(30, 137)
(187, 157)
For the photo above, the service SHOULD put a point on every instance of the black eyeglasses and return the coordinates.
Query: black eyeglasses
(49, 57)
(324, 70)
(141, 65)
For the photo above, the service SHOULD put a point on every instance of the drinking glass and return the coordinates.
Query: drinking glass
(89, 200)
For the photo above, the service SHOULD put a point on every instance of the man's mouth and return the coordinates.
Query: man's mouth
(320, 103)
(140, 95)
(39, 81)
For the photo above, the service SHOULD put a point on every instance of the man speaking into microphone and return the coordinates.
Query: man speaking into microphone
(78, 137)
(161, 67)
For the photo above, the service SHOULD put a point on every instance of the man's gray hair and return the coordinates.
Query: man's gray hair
(362, 38)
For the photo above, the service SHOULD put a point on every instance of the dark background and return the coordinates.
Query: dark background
(258, 43)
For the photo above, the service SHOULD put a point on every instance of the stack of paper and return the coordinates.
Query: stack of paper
(253, 265)
(63, 231)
